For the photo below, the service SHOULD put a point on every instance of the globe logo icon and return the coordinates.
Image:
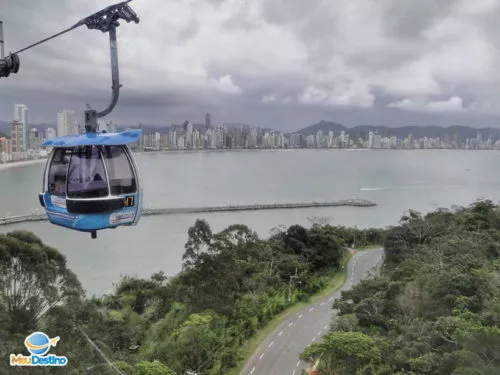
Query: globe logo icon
(38, 343)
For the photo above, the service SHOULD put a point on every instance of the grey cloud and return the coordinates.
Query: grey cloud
(74, 69)
(290, 11)
(407, 19)
(385, 60)
(258, 84)
(189, 31)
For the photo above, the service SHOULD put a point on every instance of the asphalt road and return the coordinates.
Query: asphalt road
(279, 353)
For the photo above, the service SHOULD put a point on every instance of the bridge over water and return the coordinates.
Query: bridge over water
(183, 210)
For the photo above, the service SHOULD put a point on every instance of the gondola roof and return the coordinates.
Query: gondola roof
(95, 139)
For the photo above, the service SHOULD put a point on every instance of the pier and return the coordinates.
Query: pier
(190, 210)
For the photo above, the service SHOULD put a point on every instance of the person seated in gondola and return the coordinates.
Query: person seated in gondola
(85, 179)
(59, 186)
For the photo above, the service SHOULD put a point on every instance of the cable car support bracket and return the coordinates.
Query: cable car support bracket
(106, 20)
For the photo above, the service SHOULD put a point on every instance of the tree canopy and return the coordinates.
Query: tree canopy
(434, 309)
(231, 284)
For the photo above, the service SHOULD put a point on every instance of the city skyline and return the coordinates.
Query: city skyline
(77, 120)
(23, 144)
(273, 64)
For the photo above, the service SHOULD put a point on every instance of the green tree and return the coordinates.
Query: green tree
(33, 278)
(199, 241)
(152, 368)
(343, 352)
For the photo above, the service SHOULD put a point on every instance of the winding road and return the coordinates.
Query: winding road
(279, 353)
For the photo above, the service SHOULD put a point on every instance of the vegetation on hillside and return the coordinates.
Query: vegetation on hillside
(435, 308)
(232, 283)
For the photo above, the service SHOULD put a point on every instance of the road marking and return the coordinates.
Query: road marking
(301, 316)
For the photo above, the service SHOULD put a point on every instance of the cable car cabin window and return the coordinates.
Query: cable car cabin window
(86, 175)
(121, 175)
(57, 172)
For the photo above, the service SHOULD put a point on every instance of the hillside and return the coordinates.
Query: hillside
(460, 132)
(232, 284)
(434, 309)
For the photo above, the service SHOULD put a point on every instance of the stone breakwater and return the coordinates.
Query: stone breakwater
(184, 210)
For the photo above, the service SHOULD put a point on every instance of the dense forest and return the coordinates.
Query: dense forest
(435, 308)
(232, 283)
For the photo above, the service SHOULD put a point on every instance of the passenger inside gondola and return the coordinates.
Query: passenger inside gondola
(121, 175)
(87, 174)
(57, 172)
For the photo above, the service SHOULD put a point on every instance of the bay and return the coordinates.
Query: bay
(395, 179)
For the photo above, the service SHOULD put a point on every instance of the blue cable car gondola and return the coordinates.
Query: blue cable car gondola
(92, 181)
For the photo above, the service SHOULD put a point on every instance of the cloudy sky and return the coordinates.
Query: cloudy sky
(278, 63)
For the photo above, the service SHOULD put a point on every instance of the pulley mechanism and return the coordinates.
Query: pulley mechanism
(9, 64)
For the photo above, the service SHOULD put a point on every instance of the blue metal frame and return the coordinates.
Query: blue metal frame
(55, 206)
(95, 139)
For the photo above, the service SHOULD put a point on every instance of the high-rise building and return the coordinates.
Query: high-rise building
(16, 136)
(189, 134)
(21, 116)
(33, 139)
(50, 133)
(208, 122)
(4, 145)
(172, 135)
(66, 123)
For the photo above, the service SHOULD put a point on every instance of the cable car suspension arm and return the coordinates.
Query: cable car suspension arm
(106, 20)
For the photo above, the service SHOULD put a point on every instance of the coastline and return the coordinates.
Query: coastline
(5, 166)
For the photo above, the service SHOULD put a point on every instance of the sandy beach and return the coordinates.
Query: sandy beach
(15, 164)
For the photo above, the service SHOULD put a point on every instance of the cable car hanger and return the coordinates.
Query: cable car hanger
(105, 20)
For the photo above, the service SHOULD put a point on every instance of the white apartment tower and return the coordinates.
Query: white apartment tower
(21, 116)
(66, 123)
(50, 133)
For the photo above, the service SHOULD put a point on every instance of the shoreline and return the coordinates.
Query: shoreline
(15, 164)
(305, 148)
